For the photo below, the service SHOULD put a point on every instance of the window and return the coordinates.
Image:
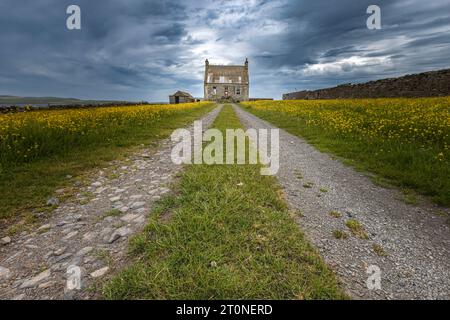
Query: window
(238, 91)
(214, 90)
(222, 79)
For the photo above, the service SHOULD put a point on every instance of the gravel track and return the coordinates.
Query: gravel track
(415, 240)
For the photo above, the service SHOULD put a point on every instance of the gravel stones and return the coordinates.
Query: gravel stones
(52, 202)
(100, 272)
(4, 241)
(35, 280)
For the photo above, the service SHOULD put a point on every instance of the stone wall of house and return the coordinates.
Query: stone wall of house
(428, 84)
(220, 91)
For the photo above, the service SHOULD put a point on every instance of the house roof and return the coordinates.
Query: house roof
(182, 94)
(226, 74)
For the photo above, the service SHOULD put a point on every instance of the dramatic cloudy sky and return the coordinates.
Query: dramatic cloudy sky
(146, 49)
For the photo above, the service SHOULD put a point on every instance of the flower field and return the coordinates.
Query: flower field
(406, 140)
(27, 136)
(39, 150)
(425, 121)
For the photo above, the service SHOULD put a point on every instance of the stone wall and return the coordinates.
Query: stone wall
(428, 84)
(260, 99)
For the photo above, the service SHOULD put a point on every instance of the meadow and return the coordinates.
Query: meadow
(40, 149)
(28, 136)
(405, 142)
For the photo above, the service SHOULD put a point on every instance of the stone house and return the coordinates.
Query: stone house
(181, 97)
(226, 82)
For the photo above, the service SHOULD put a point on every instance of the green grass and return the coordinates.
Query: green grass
(405, 165)
(308, 185)
(357, 229)
(226, 234)
(335, 214)
(25, 188)
(339, 234)
(110, 213)
(379, 250)
(409, 197)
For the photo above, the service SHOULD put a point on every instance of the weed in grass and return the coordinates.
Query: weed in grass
(113, 176)
(323, 190)
(103, 255)
(409, 197)
(83, 201)
(27, 222)
(298, 174)
(297, 214)
(15, 229)
(308, 185)
(440, 213)
(380, 181)
(87, 194)
(339, 234)
(379, 250)
(85, 197)
(335, 214)
(357, 229)
(112, 213)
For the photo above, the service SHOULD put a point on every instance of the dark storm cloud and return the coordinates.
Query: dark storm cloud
(328, 43)
(341, 51)
(116, 54)
(145, 49)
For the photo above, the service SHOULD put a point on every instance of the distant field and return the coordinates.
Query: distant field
(404, 140)
(39, 149)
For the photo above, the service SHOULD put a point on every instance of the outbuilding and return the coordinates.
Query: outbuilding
(181, 97)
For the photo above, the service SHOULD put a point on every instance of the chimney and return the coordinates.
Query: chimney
(246, 62)
(207, 62)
